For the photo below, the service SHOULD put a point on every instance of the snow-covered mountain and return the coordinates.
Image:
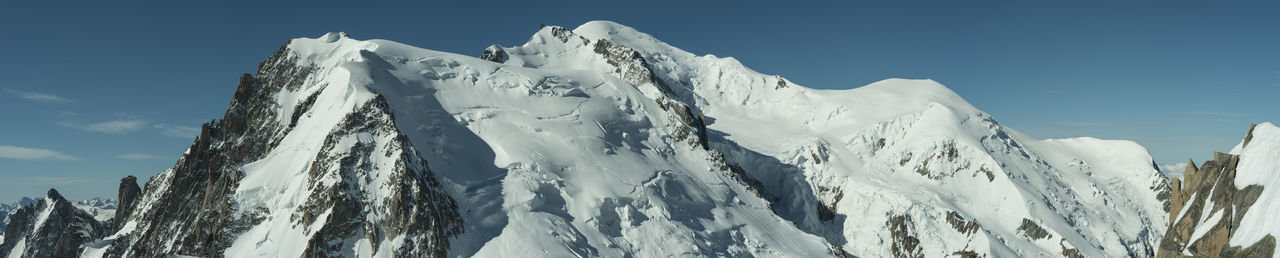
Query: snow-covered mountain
(48, 220)
(49, 227)
(9, 208)
(1226, 207)
(101, 209)
(604, 141)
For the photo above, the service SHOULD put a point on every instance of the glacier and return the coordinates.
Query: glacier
(604, 141)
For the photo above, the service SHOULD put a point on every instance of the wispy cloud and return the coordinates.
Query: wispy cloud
(137, 156)
(1081, 124)
(111, 127)
(116, 127)
(48, 181)
(1210, 113)
(128, 123)
(37, 96)
(178, 130)
(1174, 170)
(24, 153)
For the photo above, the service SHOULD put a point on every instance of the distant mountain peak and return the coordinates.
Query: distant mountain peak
(51, 227)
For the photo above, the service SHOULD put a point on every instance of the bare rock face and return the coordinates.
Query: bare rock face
(1033, 230)
(495, 54)
(629, 64)
(52, 227)
(905, 243)
(191, 209)
(192, 212)
(1206, 209)
(128, 198)
(419, 212)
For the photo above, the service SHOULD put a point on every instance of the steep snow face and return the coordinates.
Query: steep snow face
(1259, 165)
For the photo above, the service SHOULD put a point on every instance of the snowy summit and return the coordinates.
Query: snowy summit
(604, 141)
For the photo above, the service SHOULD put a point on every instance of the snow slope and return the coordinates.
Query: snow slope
(584, 164)
(1259, 163)
(880, 147)
(603, 141)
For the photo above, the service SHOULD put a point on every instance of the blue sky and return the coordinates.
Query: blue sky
(91, 92)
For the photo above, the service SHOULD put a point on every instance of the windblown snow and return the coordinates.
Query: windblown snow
(604, 141)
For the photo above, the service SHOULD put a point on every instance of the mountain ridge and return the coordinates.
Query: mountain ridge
(604, 141)
(49, 227)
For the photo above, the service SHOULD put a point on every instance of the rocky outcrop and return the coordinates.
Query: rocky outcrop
(51, 227)
(904, 241)
(1249, 138)
(128, 200)
(1033, 230)
(1176, 197)
(1206, 209)
(418, 211)
(694, 131)
(565, 35)
(968, 227)
(629, 65)
(494, 53)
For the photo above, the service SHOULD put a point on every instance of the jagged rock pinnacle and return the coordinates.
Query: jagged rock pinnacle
(53, 194)
(1191, 167)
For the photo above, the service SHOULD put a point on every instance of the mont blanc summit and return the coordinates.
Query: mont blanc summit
(602, 141)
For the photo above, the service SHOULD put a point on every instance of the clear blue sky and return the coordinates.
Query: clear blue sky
(91, 92)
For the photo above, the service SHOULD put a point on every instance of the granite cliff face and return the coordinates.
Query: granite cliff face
(128, 200)
(1208, 207)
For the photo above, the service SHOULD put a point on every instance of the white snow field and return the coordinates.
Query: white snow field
(588, 142)
(101, 209)
(1259, 164)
